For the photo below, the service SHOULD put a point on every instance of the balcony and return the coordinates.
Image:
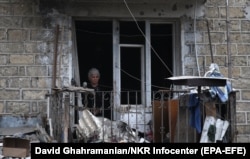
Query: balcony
(169, 119)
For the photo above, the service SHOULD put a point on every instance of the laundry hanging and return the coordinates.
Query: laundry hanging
(221, 92)
(194, 108)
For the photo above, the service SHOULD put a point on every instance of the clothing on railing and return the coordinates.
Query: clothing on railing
(222, 92)
(191, 101)
(194, 108)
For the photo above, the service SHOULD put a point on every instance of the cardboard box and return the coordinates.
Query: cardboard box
(16, 147)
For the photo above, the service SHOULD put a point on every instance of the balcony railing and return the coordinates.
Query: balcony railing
(79, 117)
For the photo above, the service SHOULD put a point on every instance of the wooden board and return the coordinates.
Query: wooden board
(164, 118)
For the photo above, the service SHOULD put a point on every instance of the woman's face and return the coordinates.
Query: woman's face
(94, 79)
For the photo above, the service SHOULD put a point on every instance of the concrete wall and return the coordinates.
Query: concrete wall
(27, 45)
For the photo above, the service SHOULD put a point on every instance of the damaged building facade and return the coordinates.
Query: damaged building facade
(49, 45)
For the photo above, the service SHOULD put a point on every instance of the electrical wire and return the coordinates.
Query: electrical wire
(196, 54)
(123, 35)
(140, 79)
(132, 15)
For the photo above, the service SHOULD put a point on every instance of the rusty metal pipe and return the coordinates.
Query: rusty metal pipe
(55, 57)
(210, 44)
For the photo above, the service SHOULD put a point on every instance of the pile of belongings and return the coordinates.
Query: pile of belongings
(92, 129)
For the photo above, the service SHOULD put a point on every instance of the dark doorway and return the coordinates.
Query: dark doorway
(161, 55)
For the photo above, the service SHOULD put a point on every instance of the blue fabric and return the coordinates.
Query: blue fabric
(194, 108)
(222, 92)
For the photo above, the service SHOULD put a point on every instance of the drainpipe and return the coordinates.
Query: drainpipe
(228, 43)
(55, 58)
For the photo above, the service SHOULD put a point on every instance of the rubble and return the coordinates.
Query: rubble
(98, 129)
(14, 130)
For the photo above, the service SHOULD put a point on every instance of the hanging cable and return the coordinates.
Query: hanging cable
(196, 54)
(228, 42)
(146, 37)
(136, 78)
(123, 35)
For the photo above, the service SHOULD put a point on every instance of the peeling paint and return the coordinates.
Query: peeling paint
(18, 121)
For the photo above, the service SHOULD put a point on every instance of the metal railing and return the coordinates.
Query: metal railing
(168, 119)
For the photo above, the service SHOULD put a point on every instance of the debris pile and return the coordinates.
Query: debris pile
(93, 129)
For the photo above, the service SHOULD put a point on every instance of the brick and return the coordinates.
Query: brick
(33, 47)
(189, 37)
(233, 12)
(5, 9)
(1, 107)
(22, 9)
(8, 71)
(21, 59)
(239, 60)
(17, 35)
(204, 49)
(6, 94)
(219, 25)
(4, 1)
(248, 117)
(239, 2)
(63, 71)
(3, 35)
(236, 72)
(42, 35)
(21, 71)
(37, 71)
(214, 3)
(220, 60)
(65, 82)
(245, 72)
(42, 106)
(19, 82)
(3, 59)
(216, 37)
(34, 94)
(44, 59)
(243, 138)
(18, 107)
(235, 37)
(244, 37)
(245, 24)
(10, 22)
(243, 49)
(241, 117)
(221, 49)
(34, 108)
(245, 94)
(234, 25)
(212, 12)
(241, 83)
(11, 47)
(40, 82)
(243, 129)
(3, 82)
(201, 25)
(32, 22)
